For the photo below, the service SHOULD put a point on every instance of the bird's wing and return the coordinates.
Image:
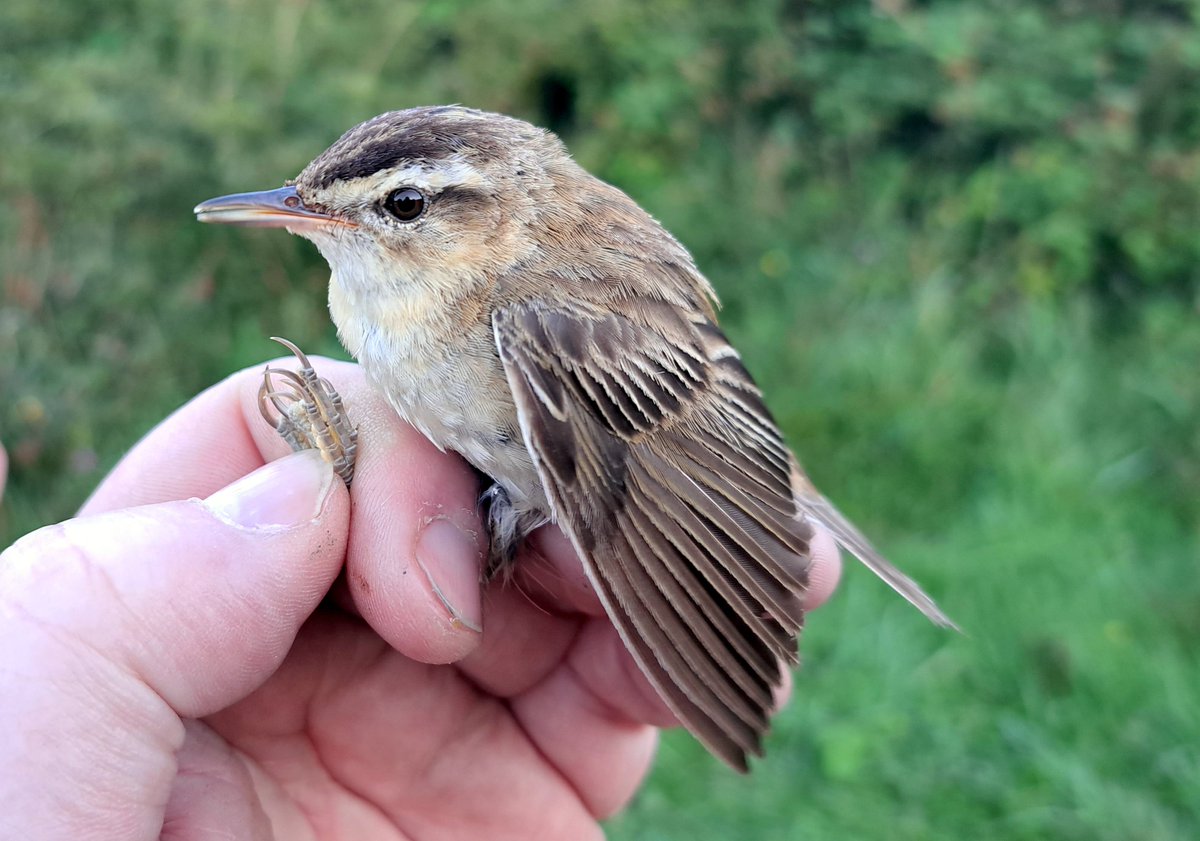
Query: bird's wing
(665, 469)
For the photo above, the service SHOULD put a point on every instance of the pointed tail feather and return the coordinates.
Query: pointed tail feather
(823, 512)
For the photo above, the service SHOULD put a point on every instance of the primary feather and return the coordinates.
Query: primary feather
(680, 507)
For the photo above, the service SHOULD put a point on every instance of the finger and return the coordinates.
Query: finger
(468, 770)
(118, 625)
(593, 720)
(213, 795)
(417, 549)
(416, 543)
(826, 569)
(415, 540)
(532, 619)
(550, 571)
(524, 642)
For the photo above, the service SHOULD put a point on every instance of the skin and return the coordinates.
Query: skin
(170, 674)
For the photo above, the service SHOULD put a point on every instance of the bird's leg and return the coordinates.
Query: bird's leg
(504, 533)
(310, 413)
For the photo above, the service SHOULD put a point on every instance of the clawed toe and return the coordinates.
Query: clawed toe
(308, 413)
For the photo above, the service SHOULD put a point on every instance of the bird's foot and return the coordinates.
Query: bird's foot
(310, 413)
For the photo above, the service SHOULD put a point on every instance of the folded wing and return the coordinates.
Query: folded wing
(667, 472)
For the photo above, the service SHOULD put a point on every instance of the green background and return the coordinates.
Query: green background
(957, 243)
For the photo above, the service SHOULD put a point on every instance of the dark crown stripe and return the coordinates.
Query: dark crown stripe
(418, 134)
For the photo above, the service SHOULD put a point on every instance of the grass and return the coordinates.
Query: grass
(976, 322)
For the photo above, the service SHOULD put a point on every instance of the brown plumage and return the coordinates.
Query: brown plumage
(536, 320)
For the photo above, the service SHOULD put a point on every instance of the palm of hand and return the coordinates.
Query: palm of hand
(540, 727)
(269, 662)
(351, 739)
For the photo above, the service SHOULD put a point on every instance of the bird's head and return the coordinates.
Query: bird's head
(421, 211)
(429, 196)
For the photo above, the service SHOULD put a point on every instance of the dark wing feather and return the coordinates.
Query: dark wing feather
(665, 469)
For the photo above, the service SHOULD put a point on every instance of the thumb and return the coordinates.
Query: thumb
(116, 625)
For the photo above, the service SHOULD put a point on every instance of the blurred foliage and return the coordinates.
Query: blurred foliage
(957, 241)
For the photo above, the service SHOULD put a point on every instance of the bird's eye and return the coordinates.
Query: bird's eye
(405, 204)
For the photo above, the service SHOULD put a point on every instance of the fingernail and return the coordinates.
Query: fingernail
(450, 559)
(287, 492)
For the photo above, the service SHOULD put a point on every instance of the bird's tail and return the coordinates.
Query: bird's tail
(824, 513)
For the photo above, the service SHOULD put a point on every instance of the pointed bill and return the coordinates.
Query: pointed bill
(282, 208)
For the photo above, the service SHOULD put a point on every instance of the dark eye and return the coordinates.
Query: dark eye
(405, 204)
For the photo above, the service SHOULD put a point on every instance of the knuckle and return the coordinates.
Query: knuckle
(50, 578)
(41, 557)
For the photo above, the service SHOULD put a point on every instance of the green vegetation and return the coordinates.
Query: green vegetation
(957, 242)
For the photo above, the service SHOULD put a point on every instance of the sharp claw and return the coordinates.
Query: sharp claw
(265, 393)
(299, 354)
(276, 399)
(311, 414)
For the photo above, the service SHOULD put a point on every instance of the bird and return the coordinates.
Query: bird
(534, 319)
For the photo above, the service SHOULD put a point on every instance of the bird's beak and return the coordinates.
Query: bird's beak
(280, 208)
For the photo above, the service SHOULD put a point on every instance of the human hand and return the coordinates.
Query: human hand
(184, 668)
